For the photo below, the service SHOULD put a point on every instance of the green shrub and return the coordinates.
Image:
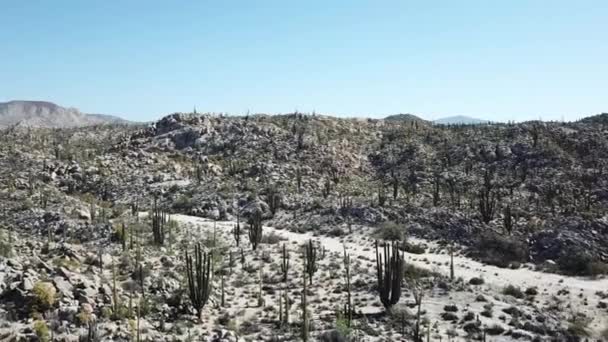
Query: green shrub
(495, 329)
(44, 295)
(581, 263)
(413, 248)
(42, 331)
(390, 231)
(578, 328)
(476, 281)
(501, 251)
(531, 291)
(336, 232)
(272, 238)
(6, 248)
(413, 272)
(513, 291)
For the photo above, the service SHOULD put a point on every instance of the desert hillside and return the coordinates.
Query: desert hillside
(302, 227)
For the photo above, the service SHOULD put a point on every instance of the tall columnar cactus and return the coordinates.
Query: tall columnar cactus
(310, 260)
(261, 301)
(389, 268)
(134, 209)
(452, 262)
(159, 219)
(123, 236)
(255, 229)
(487, 197)
(273, 198)
(348, 307)
(287, 305)
(92, 334)
(199, 275)
(305, 319)
(507, 219)
(285, 263)
(223, 297)
(115, 303)
(299, 178)
(236, 232)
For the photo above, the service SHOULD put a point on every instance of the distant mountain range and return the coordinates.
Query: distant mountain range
(461, 120)
(49, 115)
(450, 120)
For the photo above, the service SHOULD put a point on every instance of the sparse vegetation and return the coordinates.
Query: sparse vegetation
(440, 197)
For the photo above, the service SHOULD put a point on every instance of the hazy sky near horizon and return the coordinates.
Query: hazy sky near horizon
(497, 60)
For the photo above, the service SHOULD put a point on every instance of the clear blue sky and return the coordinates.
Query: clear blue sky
(499, 60)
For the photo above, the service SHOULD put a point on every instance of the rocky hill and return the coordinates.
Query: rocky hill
(48, 115)
(498, 230)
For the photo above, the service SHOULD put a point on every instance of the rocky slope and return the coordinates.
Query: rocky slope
(49, 115)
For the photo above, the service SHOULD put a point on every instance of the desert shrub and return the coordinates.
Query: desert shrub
(472, 327)
(249, 327)
(514, 291)
(6, 248)
(83, 317)
(390, 231)
(596, 268)
(476, 281)
(413, 248)
(336, 232)
(117, 233)
(581, 263)
(513, 311)
(413, 272)
(272, 238)
(332, 336)
(42, 331)
(495, 329)
(449, 316)
(183, 202)
(469, 316)
(531, 291)
(578, 328)
(44, 295)
(450, 308)
(64, 261)
(501, 251)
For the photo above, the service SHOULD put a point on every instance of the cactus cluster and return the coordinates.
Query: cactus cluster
(284, 263)
(159, 224)
(389, 268)
(255, 229)
(198, 271)
(310, 260)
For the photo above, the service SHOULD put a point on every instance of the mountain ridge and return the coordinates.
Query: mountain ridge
(45, 114)
(460, 119)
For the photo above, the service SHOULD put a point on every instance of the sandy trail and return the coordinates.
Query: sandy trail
(547, 284)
